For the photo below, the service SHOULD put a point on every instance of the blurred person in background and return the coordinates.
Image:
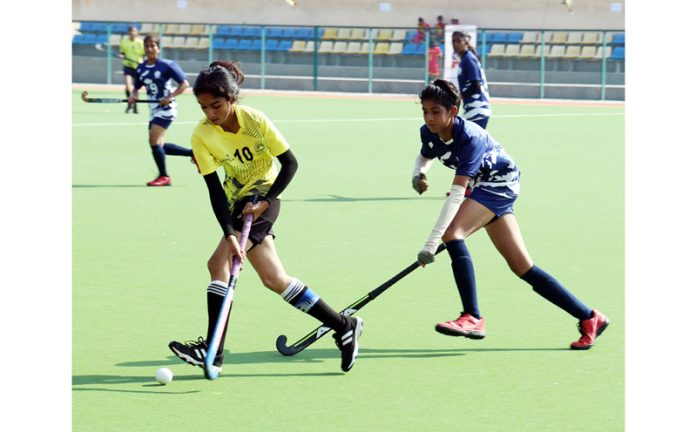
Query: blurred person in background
(472, 81)
(163, 80)
(131, 51)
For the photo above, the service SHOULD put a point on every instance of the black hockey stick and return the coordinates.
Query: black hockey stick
(103, 48)
(320, 331)
(113, 100)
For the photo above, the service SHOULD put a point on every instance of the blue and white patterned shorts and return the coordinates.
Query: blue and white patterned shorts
(498, 184)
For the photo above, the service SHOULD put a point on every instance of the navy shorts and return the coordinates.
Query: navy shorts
(160, 122)
(497, 204)
(262, 226)
(130, 71)
(499, 185)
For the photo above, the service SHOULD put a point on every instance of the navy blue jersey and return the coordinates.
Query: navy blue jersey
(473, 152)
(476, 106)
(160, 80)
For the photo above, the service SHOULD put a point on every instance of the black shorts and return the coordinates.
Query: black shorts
(262, 226)
(130, 71)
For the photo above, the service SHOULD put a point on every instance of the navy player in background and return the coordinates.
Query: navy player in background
(472, 81)
(482, 164)
(158, 76)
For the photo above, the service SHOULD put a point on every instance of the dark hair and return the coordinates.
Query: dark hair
(220, 79)
(151, 38)
(132, 28)
(467, 39)
(443, 92)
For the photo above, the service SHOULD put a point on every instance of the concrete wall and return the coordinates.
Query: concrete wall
(504, 14)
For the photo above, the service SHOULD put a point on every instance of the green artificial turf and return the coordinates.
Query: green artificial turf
(349, 222)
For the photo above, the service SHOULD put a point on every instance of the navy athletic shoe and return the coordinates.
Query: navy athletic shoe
(193, 352)
(347, 342)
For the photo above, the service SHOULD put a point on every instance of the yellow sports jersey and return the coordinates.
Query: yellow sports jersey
(247, 156)
(133, 50)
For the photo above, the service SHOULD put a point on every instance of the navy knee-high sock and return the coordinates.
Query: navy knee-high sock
(552, 290)
(159, 156)
(463, 270)
(175, 150)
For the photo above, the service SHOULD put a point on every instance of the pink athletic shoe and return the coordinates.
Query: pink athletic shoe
(590, 329)
(466, 325)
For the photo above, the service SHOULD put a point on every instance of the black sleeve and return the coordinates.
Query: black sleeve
(474, 88)
(288, 167)
(218, 200)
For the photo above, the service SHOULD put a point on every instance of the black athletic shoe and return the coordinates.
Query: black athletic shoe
(347, 342)
(193, 352)
(135, 109)
(128, 108)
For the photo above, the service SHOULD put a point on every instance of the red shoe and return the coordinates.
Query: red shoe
(466, 325)
(590, 329)
(160, 181)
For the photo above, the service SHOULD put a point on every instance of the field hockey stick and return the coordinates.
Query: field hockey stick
(320, 331)
(211, 372)
(103, 48)
(114, 100)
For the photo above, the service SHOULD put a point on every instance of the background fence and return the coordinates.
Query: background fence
(530, 63)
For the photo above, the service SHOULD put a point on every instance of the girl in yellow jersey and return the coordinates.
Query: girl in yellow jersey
(245, 142)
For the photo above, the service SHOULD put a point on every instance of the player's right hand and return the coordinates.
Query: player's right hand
(235, 249)
(419, 183)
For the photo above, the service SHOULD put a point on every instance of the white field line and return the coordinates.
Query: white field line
(366, 120)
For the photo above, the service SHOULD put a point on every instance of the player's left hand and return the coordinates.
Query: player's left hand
(165, 101)
(426, 256)
(256, 209)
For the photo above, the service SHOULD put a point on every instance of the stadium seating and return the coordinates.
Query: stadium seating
(385, 35)
(381, 48)
(557, 51)
(591, 38)
(511, 50)
(607, 53)
(358, 34)
(572, 52)
(199, 29)
(329, 34)
(297, 46)
(530, 38)
(340, 47)
(574, 38)
(559, 37)
(399, 35)
(619, 53)
(343, 33)
(618, 39)
(588, 52)
(527, 50)
(325, 47)
(559, 45)
(395, 48)
(353, 47)
(184, 29)
(497, 50)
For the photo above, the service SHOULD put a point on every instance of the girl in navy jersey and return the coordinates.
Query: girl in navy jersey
(481, 164)
(163, 80)
(471, 77)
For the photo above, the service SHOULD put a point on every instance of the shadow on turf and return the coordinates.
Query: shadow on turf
(81, 186)
(337, 198)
